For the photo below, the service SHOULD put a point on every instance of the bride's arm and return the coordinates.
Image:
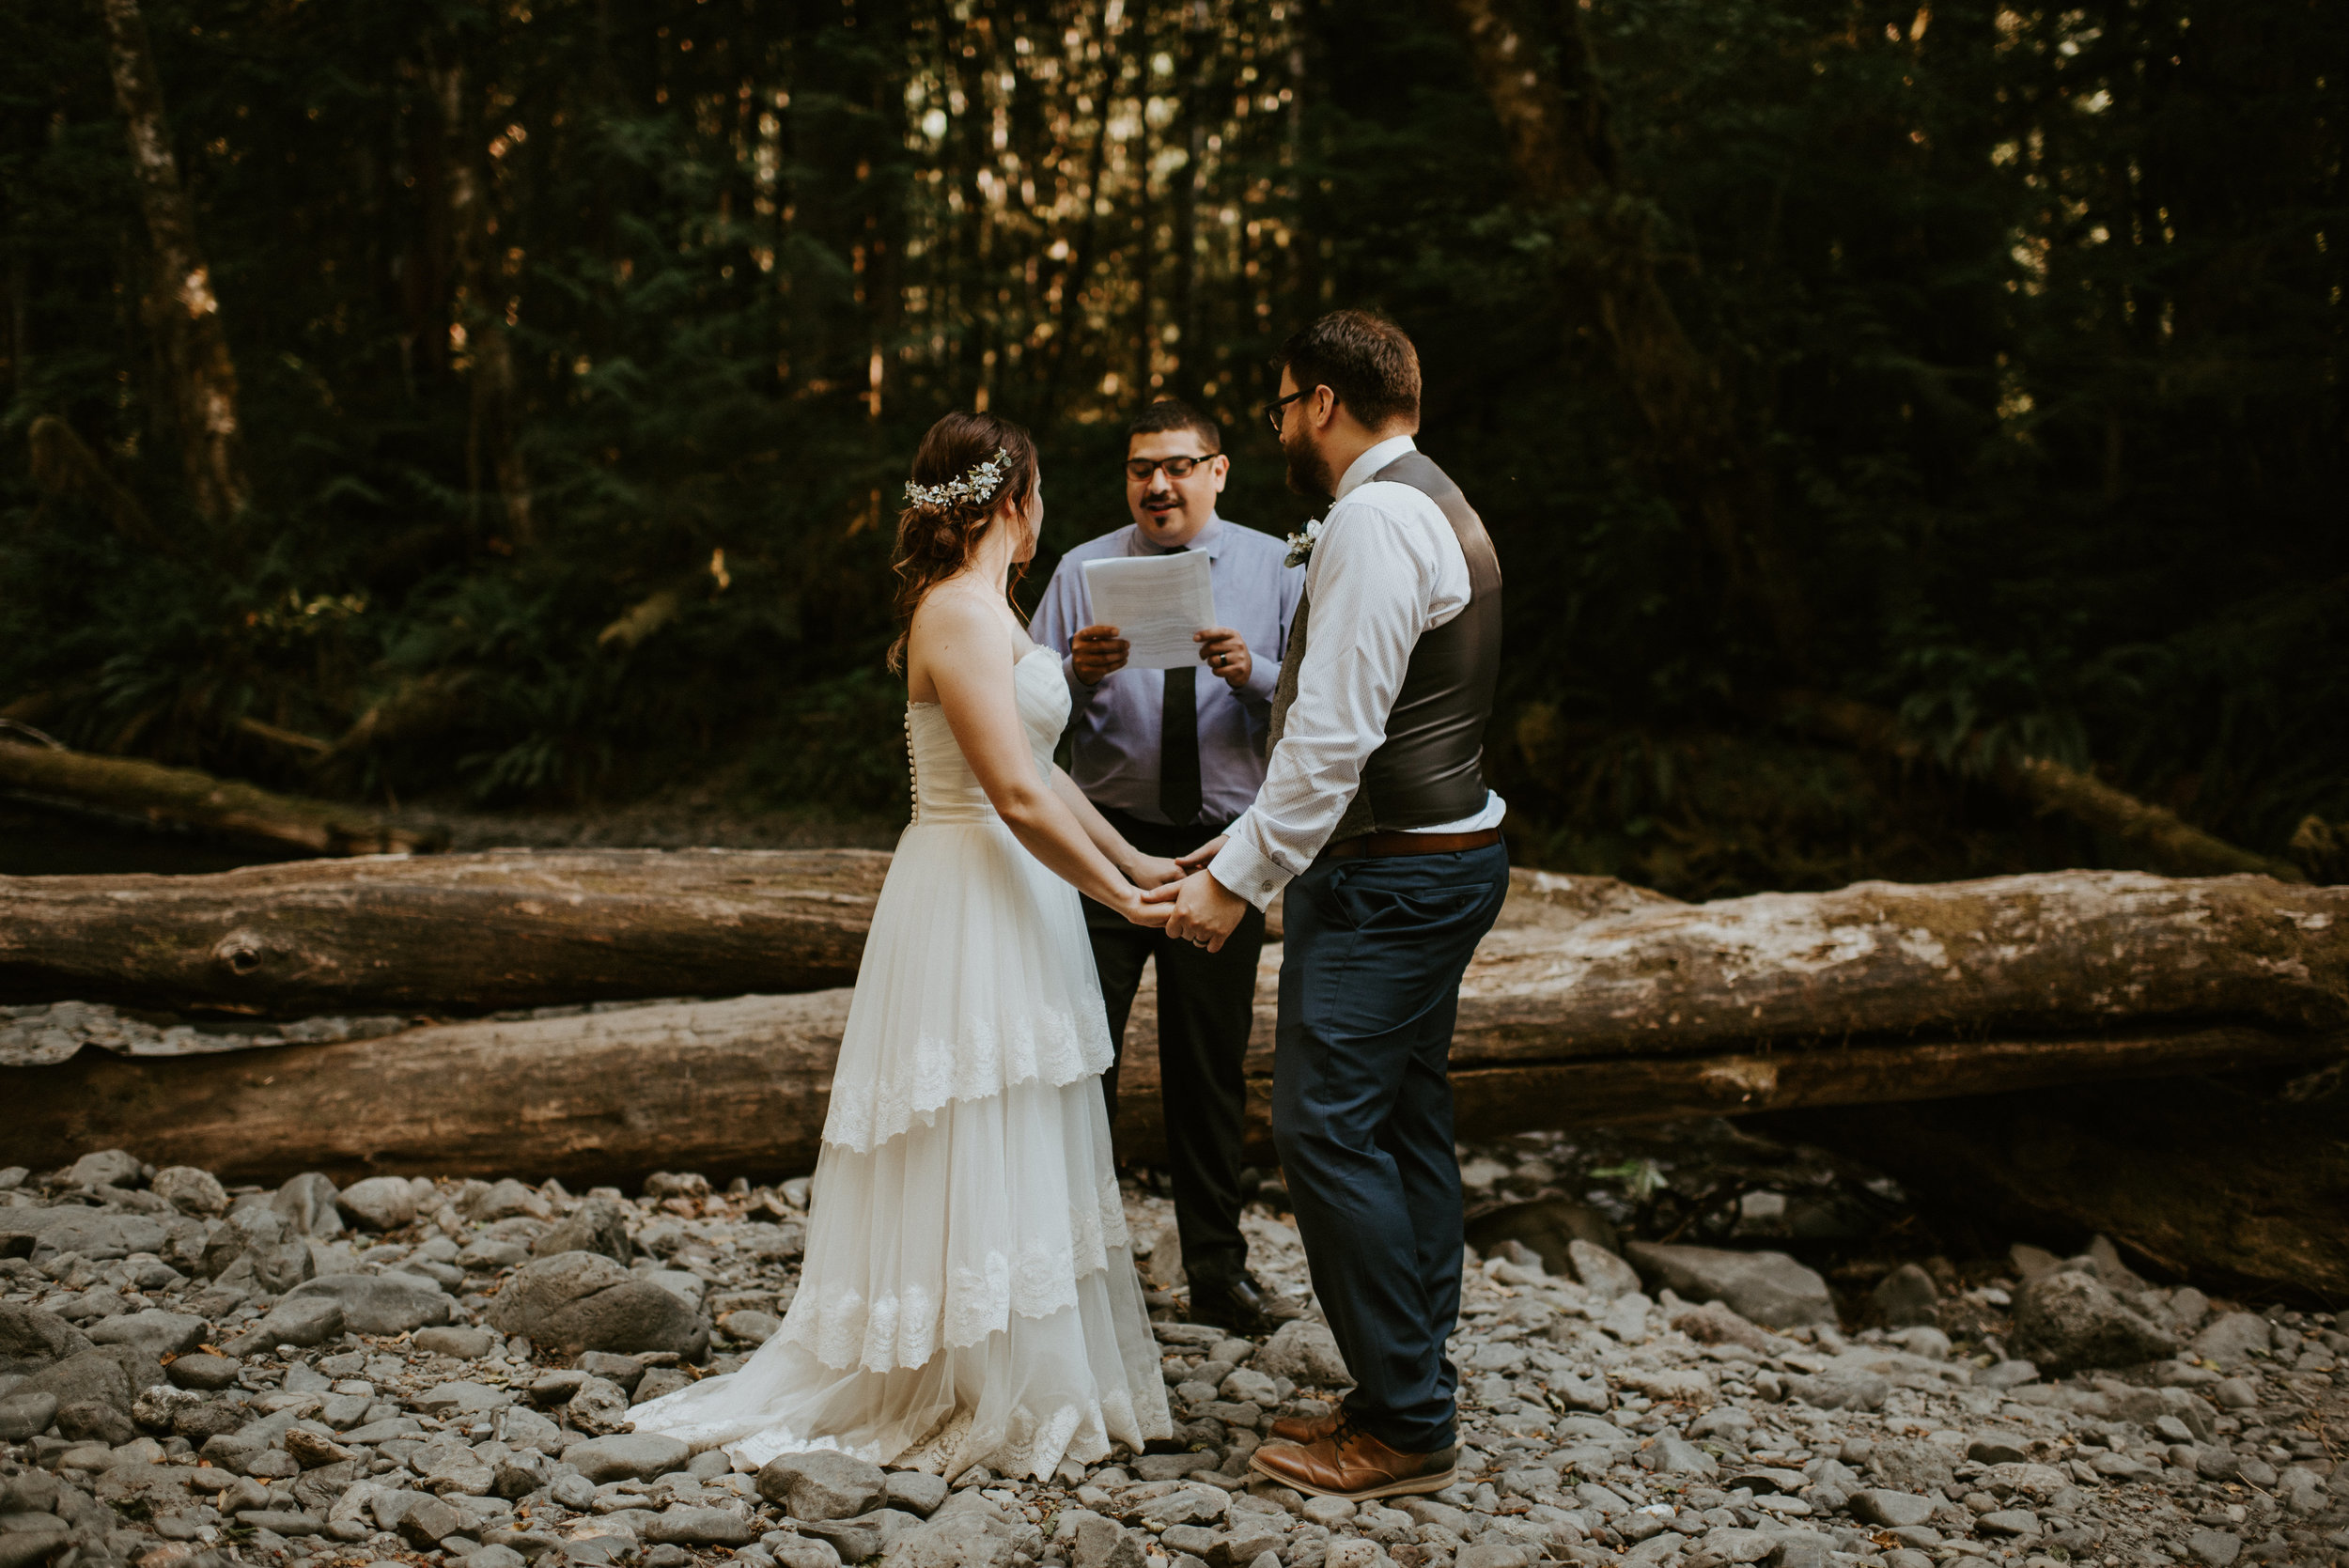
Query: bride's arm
(958, 642)
(1142, 871)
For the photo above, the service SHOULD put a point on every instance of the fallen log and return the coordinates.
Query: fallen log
(1589, 1003)
(445, 935)
(2201, 1177)
(186, 798)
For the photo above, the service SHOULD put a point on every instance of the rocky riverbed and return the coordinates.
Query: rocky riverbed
(439, 1373)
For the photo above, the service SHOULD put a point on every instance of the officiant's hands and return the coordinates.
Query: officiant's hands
(1098, 653)
(1226, 653)
(1205, 914)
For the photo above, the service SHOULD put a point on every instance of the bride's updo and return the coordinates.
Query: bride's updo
(939, 530)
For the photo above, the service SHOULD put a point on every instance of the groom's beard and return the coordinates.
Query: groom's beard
(1308, 475)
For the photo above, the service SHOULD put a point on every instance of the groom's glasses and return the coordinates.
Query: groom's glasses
(1277, 410)
(1176, 468)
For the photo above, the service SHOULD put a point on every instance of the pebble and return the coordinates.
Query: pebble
(1685, 1404)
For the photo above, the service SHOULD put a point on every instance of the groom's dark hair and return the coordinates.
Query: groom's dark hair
(1366, 359)
(1173, 414)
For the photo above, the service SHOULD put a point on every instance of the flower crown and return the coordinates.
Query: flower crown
(979, 484)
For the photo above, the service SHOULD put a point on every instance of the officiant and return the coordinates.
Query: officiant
(1171, 757)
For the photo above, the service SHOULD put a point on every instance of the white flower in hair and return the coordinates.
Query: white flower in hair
(979, 484)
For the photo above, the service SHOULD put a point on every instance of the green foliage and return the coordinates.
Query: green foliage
(2034, 316)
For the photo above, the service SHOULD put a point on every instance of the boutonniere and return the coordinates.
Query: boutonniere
(1302, 543)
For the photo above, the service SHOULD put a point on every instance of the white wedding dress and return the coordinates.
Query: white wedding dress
(968, 1296)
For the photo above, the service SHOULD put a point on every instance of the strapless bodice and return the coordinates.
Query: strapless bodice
(944, 789)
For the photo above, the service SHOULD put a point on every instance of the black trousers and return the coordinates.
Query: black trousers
(1206, 1004)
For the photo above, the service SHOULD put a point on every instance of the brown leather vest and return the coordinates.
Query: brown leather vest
(1430, 767)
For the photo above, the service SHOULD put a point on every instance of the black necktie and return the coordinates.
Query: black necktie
(1179, 747)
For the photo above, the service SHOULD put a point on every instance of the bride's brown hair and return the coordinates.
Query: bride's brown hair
(936, 538)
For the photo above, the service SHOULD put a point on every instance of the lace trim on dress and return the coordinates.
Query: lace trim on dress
(908, 1327)
(980, 1063)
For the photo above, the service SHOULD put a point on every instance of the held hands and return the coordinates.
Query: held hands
(1204, 915)
(1151, 871)
(1135, 905)
(1098, 653)
(1225, 653)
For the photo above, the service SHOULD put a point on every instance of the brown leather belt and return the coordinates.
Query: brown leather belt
(1380, 845)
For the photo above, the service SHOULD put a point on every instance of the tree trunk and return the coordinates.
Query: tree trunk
(448, 935)
(184, 797)
(180, 307)
(492, 437)
(1536, 73)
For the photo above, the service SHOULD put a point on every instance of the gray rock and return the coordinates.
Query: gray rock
(915, 1492)
(1547, 1227)
(307, 1204)
(31, 1339)
(822, 1486)
(600, 1405)
(466, 1344)
(803, 1551)
(1840, 1391)
(1305, 1352)
(1996, 1448)
(2007, 1375)
(2214, 1549)
(258, 1245)
(2235, 1393)
(379, 1203)
(627, 1456)
(1489, 1554)
(626, 1371)
(1601, 1271)
(2230, 1340)
(425, 1523)
(1676, 1455)
(95, 1421)
(1730, 1544)
(2066, 1321)
(154, 1332)
(283, 1521)
(575, 1301)
(190, 1190)
(682, 1525)
(1767, 1288)
(751, 1326)
(106, 1168)
(1907, 1297)
(1879, 1505)
(658, 1382)
(204, 1371)
(381, 1303)
(25, 1415)
(1801, 1550)
(496, 1556)
(599, 1226)
(303, 1319)
(92, 1377)
(963, 1538)
(505, 1198)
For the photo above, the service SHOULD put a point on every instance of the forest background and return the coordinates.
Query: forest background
(1913, 434)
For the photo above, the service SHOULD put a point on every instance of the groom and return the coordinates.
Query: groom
(1374, 815)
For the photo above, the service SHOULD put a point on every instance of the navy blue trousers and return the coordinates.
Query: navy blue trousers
(1362, 1112)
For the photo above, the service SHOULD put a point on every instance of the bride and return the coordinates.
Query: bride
(968, 1296)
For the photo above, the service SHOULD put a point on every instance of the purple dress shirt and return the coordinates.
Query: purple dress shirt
(1114, 726)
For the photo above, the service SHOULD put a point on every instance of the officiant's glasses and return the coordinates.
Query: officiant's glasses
(1176, 468)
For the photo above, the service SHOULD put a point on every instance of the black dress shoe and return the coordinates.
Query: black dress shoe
(1240, 1304)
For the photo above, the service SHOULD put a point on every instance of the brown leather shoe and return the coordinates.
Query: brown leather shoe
(1350, 1463)
(1307, 1429)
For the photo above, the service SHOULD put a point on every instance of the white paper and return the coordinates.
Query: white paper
(1156, 602)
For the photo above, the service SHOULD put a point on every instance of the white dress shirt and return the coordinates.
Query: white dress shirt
(1386, 570)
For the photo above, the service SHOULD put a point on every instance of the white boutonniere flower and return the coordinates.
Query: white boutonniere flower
(1302, 543)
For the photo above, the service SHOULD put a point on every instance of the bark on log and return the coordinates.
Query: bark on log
(445, 934)
(2198, 1176)
(185, 797)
